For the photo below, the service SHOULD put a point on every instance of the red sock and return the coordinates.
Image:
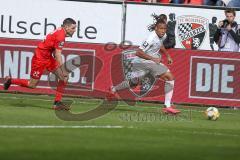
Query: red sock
(20, 82)
(60, 89)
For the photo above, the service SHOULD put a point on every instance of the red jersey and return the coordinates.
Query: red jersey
(54, 40)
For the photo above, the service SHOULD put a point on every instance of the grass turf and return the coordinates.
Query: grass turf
(143, 133)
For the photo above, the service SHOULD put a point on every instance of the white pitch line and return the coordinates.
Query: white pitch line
(49, 127)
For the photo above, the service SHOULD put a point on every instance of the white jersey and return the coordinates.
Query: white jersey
(151, 46)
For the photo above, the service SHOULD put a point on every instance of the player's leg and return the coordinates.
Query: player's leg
(32, 83)
(168, 89)
(133, 82)
(161, 71)
(138, 72)
(37, 68)
(62, 82)
(9, 81)
(62, 77)
(125, 84)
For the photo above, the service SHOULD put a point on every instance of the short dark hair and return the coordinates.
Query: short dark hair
(230, 10)
(68, 21)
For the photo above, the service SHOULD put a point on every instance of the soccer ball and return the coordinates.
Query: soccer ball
(212, 113)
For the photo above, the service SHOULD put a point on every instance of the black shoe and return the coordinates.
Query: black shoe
(7, 83)
(58, 105)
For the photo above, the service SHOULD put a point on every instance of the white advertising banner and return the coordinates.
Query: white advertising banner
(193, 27)
(31, 19)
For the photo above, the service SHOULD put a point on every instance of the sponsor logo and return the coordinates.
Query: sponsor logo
(214, 78)
(191, 30)
(14, 27)
(15, 61)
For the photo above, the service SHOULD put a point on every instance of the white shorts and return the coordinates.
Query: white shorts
(144, 68)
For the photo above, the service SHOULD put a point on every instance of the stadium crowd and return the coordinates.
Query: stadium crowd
(223, 3)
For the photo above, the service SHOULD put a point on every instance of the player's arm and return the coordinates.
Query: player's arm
(59, 44)
(58, 56)
(164, 51)
(140, 53)
(236, 36)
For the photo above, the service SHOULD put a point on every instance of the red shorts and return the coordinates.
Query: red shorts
(39, 65)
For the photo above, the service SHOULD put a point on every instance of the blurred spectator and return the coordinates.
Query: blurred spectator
(212, 30)
(227, 35)
(210, 2)
(228, 3)
(234, 3)
(216, 2)
(136, 0)
(223, 3)
(163, 1)
(177, 1)
(151, 1)
(194, 2)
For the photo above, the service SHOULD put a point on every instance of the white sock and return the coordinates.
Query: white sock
(169, 85)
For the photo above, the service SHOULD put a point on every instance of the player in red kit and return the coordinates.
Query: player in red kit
(48, 57)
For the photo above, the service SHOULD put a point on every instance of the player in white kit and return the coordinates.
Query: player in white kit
(148, 60)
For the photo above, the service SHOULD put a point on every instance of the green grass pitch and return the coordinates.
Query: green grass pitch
(128, 132)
